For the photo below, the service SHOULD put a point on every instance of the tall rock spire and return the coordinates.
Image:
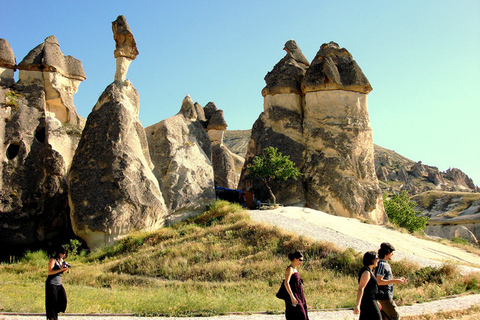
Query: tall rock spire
(112, 189)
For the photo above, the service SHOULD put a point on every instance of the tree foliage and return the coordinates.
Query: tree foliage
(399, 209)
(273, 166)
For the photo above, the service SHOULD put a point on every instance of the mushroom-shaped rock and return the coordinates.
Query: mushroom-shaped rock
(217, 121)
(334, 68)
(47, 56)
(286, 76)
(125, 47)
(59, 75)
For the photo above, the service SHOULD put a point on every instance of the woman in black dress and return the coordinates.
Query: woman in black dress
(367, 304)
(296, 308)
(55, 295)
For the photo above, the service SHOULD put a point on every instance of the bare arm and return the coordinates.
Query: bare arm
(383, 282)
(361, 287)
(288, 275)
(51, 264)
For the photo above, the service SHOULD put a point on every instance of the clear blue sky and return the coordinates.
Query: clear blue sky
(421, 57)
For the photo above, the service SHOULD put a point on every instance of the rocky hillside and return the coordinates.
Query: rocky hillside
(394, 171)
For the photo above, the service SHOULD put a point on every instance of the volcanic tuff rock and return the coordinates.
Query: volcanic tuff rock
(125, 47)
(226, 165)
(325, 130)
(280, 125)
(286, 76)
(448, 211)
(180, 149)
(60, 76)
(36, 148)
(7, 62)
(112, 189)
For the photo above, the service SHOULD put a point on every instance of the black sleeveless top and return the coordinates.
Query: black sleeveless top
(55, 279)
(371, 289)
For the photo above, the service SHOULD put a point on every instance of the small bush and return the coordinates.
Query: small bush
(399, 210)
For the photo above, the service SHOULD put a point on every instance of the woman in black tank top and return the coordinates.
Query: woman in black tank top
(55, 295)
(367, 304)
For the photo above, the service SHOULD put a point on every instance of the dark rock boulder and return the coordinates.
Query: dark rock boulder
(112, 190)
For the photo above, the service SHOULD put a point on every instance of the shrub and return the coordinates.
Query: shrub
(399, 209)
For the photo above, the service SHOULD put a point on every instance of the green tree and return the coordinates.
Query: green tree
(399, 209)
(273, 166)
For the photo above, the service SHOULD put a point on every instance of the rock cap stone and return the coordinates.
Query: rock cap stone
(217, 121)
(333, 68)
(125, 45)
(287, 75)
(210, 109)
(7, 57)
(47, 56)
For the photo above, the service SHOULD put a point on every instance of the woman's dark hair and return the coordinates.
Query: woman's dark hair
(368, 258)
(59, 249)
(295, 255)
(385, 248)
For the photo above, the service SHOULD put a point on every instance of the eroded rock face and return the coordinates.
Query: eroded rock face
(339, 172)
(180, 150)
(112, 190)
(60, 76)
(325, 129)
(225, 164)
(36, 151)
(280, 125)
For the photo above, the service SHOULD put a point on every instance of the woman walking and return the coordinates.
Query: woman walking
(367, 304)
(296, 308)
(55, 295)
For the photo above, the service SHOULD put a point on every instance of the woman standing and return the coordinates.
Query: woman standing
(296, 308)
(367, 304)
(55, 295)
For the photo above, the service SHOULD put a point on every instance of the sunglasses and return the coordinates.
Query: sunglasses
(301, 259)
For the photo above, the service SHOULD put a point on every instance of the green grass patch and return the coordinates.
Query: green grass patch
(215, 263)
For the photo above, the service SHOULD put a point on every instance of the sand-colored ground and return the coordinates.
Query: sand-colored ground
(350, 232)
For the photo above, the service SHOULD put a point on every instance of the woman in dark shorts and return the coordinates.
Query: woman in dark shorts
(55, 295)
(296, 307)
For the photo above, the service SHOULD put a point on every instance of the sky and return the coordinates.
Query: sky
(422, 58)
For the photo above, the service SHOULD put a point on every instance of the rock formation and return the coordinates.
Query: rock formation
(339, 171)
(280, 125)
(226, 165)
(39, 132)
(112, 190)
(7, 63)
(59, 75)
(317, 114)
(417, 177)
(180, 150)
(449, 211)
(125, 47)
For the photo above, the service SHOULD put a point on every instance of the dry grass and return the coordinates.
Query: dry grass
(221, 254)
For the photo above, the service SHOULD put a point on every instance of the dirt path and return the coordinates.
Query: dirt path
(449, 304)
(349, 232)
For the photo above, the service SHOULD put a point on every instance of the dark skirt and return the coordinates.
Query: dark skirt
(55, 300)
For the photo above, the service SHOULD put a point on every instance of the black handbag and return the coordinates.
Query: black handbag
(282, 292)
